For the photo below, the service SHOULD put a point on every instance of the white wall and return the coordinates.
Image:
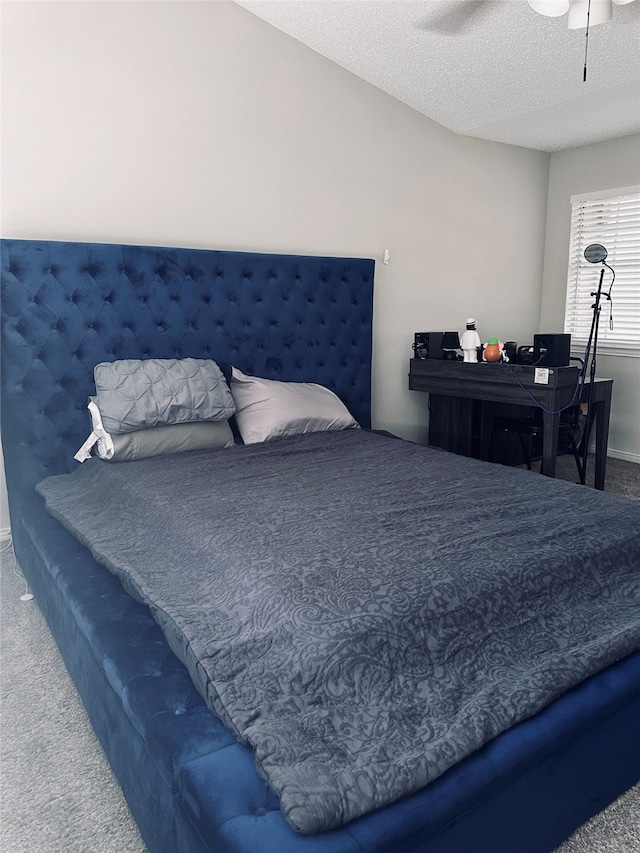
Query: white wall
(197, 124)
(579, 170)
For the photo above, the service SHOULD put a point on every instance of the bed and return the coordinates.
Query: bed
(197, 780)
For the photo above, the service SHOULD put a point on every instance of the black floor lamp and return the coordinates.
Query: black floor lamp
(595, 254)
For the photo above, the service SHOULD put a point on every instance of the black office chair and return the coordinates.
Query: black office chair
(570, 432)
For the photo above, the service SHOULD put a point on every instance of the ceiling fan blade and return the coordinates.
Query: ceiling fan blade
(458, 16)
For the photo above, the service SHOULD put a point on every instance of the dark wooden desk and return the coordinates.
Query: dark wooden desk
(507, 383)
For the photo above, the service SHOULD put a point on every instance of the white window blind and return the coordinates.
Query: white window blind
(613, 220)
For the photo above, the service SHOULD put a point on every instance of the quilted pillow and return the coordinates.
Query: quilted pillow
(134, 394)
(267, 408)
(155, 441)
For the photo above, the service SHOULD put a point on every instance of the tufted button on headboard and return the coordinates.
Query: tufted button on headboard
(68, 306)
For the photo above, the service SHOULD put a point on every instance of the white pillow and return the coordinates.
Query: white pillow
(266, 408)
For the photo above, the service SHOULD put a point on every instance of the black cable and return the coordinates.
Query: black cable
(586, 45)
(608, 295)
(579, 383)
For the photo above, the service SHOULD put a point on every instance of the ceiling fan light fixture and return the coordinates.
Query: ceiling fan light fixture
(550, 8)
(601, 11)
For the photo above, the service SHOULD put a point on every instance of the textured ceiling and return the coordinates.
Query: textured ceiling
(493, 69)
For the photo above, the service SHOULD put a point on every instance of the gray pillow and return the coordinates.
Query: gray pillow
(174, 438)
(267, 408)
(155, 441)
(134, 394)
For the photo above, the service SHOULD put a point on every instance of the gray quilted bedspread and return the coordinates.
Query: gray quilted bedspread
(364, 612)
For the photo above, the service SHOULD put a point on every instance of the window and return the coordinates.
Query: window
(613, 220)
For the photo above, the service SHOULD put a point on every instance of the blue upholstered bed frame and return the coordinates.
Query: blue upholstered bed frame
(191, 787)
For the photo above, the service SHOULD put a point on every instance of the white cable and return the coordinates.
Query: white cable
(14, 565)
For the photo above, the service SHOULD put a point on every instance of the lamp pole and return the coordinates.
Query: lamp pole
(595, 254)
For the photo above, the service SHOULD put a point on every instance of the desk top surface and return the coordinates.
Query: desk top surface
(498, 381)
(494, 372)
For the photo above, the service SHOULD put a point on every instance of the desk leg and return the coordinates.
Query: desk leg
(550, 425)
(602, 414)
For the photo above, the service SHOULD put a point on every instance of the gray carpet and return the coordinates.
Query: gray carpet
(623, 478)
(57, 792)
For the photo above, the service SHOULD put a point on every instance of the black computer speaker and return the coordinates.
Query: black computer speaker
(428, 344)
(552, 350)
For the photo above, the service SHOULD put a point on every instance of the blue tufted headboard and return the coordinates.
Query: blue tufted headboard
(68, 306)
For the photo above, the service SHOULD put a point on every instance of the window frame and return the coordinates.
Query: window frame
(583, 277)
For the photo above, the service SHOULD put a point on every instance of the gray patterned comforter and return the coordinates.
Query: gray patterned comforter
(362, 611)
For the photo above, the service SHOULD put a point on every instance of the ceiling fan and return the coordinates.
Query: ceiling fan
(582, 13)
(457, 15)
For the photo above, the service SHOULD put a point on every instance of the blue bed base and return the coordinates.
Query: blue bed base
(190, 786)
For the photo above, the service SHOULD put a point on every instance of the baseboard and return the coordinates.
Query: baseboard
(5, 533)
(617, 454)
(623, 454)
